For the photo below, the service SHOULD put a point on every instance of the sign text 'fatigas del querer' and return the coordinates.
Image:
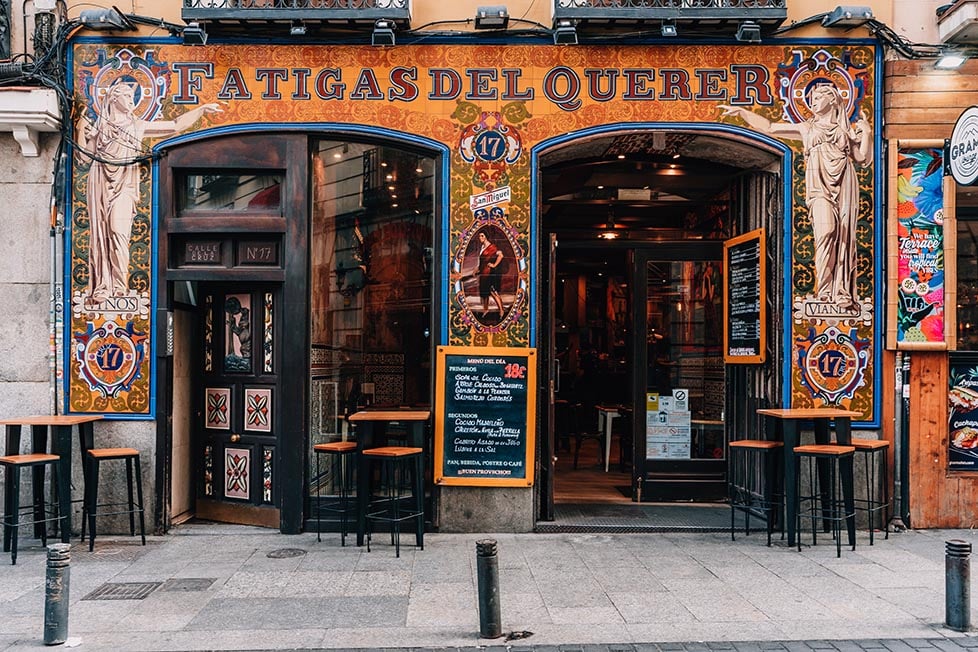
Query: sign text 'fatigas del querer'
(565, 87)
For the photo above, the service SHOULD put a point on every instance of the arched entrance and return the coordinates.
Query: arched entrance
(632, 224)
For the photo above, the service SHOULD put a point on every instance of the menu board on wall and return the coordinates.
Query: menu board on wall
(962, 422)
(745, 305)
(484, 416)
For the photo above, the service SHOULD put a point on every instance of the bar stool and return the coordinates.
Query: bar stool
(13, 465)
(874, 452)
(341, 462)
(753, 482)
(92, 459)
(395, 463)
(826, 497)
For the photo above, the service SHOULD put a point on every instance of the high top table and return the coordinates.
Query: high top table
(789, 420)
(371, 432)
(60, 442)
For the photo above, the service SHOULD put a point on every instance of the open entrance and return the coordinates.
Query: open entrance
(640, 400)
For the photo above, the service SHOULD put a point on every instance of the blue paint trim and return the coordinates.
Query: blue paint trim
(699, 127)
(879, 182)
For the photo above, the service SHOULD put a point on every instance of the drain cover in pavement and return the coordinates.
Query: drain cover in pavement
(123, 591)
(285, 553)
(187, 584)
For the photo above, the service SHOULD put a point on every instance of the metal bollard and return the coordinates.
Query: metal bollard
(487, 570)
(56, 594)
(957, 584)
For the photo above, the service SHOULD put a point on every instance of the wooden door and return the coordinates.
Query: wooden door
(238, 418)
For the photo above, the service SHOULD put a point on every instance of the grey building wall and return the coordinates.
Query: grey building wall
(25, 295)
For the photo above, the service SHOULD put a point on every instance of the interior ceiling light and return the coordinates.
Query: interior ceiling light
(383, 33)
(496, 17)
(950, 61)
(669, 29)
(749, 32)
(298, 28)
(847, 16)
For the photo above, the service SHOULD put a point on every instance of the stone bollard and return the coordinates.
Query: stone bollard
(957, 584)
(56, 594)
(487, 571)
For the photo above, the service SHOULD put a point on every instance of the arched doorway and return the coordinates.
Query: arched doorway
(632, 225)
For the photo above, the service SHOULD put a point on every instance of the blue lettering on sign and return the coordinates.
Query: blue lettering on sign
(490, 146)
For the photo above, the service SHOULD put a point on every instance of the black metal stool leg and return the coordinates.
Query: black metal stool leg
(132, 515)
(92, 507)
(139, 497)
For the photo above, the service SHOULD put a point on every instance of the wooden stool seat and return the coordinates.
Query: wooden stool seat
(336, 447)
(113, 453)
(392, 451)
(759, 444)
(29, 459)
(869, 444)
(828, 450)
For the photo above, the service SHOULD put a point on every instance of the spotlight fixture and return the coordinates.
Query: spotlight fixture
(298, 28)
(668, 29)
(194, 34)
(383, 33)
(496, 17)
(950, 60)
(565, 33)
(749, 32)
(845, 16)
(105, 19)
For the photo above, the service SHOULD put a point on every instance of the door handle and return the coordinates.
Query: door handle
(235, 438)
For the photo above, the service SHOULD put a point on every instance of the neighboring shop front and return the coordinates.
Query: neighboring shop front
(933, 221)
(297, 229)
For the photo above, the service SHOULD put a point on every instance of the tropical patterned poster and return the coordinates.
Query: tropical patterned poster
(920, 247)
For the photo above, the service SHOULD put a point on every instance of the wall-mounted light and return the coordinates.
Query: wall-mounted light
(565, 33)
(669, 29)
(194, 34)
(846, 16)
(105, 19)
(383, 33)
(496, 17)
(749, 32)
(950, 61)
(298, 28)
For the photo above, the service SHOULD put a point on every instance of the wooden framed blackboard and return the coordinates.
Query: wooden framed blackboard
(484, 416)
(745, 299)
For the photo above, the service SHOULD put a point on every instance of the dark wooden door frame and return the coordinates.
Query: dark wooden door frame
(289, 155)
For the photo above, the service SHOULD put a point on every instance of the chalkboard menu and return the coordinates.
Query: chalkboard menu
(745, 287)
(484, 416)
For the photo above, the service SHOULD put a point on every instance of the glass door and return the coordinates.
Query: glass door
(680, 439)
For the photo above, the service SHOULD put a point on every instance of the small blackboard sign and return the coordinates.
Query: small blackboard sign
(484, 416)
(745, 304)
(962, 422)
